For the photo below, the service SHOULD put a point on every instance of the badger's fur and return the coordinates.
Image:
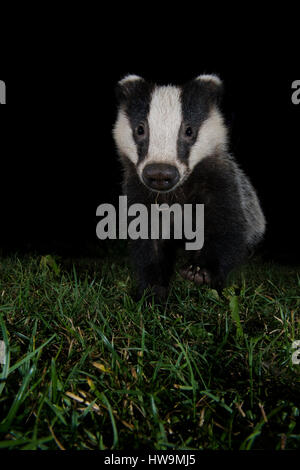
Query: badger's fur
(173, 144)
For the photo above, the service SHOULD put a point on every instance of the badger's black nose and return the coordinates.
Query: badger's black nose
(160, 176)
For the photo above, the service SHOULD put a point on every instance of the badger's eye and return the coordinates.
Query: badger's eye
(189, 132)
(140, 130)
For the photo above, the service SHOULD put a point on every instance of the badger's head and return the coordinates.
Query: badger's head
(166, 130)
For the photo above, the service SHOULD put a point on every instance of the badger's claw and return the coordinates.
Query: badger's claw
(202, 277)
(196, 274)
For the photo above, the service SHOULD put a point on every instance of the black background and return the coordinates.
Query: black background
(58, 160)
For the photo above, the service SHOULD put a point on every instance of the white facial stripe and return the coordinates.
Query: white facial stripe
(212, 136)
(122, 133)
(164, 122)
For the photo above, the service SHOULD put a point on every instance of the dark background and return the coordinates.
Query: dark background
(58, 161)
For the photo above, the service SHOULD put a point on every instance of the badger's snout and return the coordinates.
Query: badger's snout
(160, 176)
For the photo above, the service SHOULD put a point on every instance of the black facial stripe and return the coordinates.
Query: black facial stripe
(137, 106)
(196, 101)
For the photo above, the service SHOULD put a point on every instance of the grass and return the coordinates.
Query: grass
(88, 368)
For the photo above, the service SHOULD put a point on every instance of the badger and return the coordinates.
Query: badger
(173, 145)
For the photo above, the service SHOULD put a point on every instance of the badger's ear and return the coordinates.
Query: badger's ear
(127, 86)
(212, 84)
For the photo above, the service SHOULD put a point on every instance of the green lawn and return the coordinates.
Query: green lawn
(91, 369)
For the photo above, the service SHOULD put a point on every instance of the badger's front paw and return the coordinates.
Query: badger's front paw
(203, 276)
(197, 275)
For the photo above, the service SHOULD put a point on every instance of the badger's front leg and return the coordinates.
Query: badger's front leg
(153, 262)
(224, 249)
